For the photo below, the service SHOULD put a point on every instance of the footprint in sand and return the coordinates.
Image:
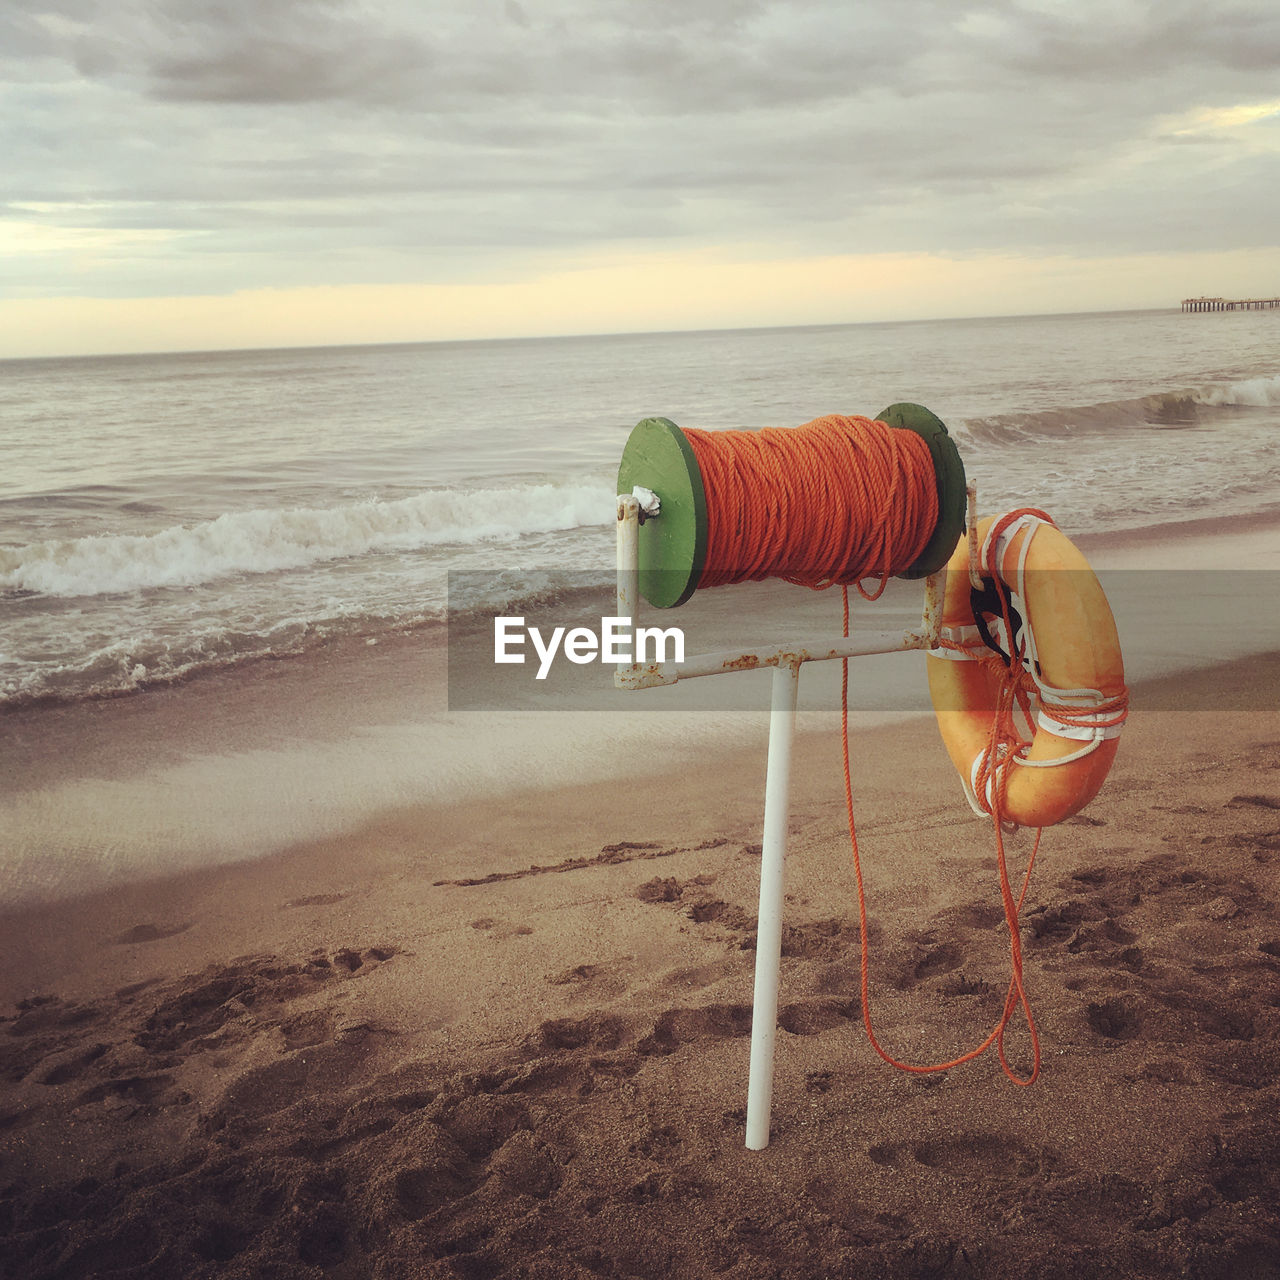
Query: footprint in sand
(71, 1068)
(818, 938)
(713, 911)
(669, 889)
(812, 1017)
(229, 1001)
(307, 1029)
(680, 1026)
(597, 1031)
(501, 929)
(1114, 1019)
(526, 1165)
(944, 957)
(578, 974)
(1165, 1071)
(662, 1144)
(965, 1154)
(140, 1090)
(1260, 802)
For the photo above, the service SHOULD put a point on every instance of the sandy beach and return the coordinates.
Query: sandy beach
(510, 1038)
(380, 878)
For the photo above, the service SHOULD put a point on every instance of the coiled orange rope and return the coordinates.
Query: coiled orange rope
(838, 500)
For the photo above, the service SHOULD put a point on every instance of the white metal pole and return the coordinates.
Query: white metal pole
(628, 597)
(764, 1010)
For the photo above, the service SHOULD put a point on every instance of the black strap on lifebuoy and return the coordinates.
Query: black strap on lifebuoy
(991, 601)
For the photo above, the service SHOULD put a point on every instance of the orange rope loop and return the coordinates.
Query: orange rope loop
(1015, 995)
(836, 501)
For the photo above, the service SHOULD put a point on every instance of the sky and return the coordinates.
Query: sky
(191, 174)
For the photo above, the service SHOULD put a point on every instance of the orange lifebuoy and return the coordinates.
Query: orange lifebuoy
(1062, 664)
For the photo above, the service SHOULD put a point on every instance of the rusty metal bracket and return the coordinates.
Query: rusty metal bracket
(971, 533)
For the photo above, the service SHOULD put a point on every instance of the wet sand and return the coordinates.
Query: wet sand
(510, 1037)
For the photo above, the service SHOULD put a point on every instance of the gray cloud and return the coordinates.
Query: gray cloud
(331, 141)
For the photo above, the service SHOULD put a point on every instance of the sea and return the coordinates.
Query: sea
(184, 534)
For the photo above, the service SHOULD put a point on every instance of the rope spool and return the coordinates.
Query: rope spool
(836, 501)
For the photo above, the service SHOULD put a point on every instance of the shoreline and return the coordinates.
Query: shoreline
(1248, 687)
(252, 761)
(1201, 527)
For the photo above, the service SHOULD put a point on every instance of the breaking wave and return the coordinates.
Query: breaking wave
(265, 541)
(1161, 409)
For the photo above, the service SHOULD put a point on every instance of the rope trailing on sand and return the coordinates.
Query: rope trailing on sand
(1015, 995)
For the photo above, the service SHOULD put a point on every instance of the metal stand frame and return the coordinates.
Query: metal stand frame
(786, 661)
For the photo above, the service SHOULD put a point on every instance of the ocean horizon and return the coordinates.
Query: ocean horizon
(576, 335)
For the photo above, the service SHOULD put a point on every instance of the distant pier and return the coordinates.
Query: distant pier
(1229, 304)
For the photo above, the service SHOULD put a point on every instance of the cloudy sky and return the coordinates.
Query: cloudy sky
(194, 173)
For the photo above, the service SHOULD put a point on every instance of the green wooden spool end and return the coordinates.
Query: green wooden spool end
(673, 547)
(948, 471)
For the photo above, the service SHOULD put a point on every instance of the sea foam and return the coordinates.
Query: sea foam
(265, 541)
(1254, 392)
